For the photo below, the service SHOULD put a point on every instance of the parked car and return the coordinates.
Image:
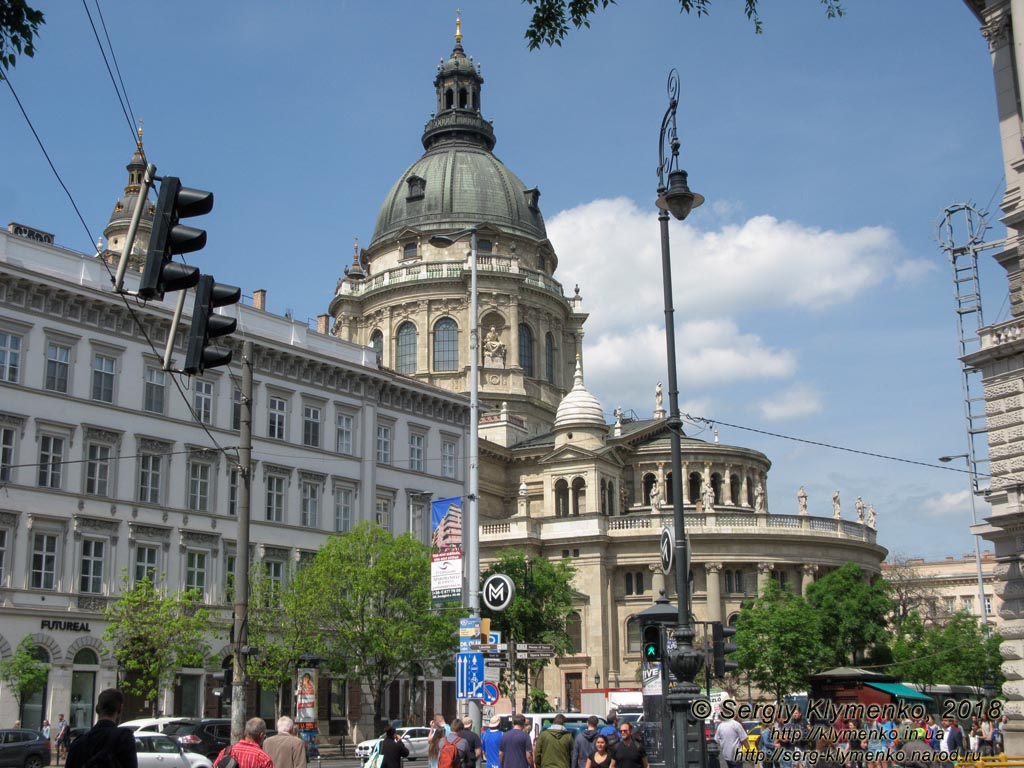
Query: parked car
(154, 724)
(23, 748)
(195, 760)
(154, 750)
(415, 738)
(207, 736)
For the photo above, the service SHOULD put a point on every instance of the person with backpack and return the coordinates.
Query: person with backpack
(455, 750)
(611, 729)
(105, 745)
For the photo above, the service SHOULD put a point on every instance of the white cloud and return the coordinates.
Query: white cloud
(947, 503)
(798, 401)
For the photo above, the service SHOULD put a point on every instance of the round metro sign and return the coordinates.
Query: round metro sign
(498, 592)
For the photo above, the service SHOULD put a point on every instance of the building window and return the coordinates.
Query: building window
(274, 570)
(58, 365)
(967, 603)
(377, 343)
(44, 561)
(310, 504)
(446, 345)
(154, 390)
(202, 400)
(405, 353)
(382, 512)
(449, 454)
(526, 349)
(275, 498)
(277, 418)
(549, 358)
(91, 580)
(344, 435)
(229, 578)
(988, 603)
(343, 498)
(199, 485)
(10, 357)
(6, 453)
(950, 604)
(3, 556)
(629, 583)
(633, 636)
(236, 408)
(561, 498)
(311, 426)
(233, 492)
(103, 378)
(417, 441)
(51, 461)
(409, 249)
(383, 444)
(150, 468)
(195, 570)
(97, 470)
(574, 629)
(145, 563)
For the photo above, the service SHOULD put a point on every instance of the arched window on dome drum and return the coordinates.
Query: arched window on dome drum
(526, 349)
(716, 486)
(667, 494)
(463, 98)
(611, 498)
(604, 496)
(405, 352)
(750, 493)
(574, 629)
(734, 490)
(561, 499)
(449, 99)
(579, 495)
(446, 345)
(549, 358)
(696, 481)
(483, 245)
(377, 342)
(648, 486)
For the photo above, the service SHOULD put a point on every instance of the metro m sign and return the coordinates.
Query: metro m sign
(498, 592)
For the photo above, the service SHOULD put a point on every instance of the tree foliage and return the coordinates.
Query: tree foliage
(23, 674)
(154, 634)
(540, 608)
(364, 608)
(908, 589)
(778, 641)
(277, 634)
(551, 18)
(19, 25)
(856, 614)
(955, 653)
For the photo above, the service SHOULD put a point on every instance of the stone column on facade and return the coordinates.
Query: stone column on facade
(523, 496)
(685, 482)
(612, 619)
(764, 573)
(514, 319)
(713, 571)
(743, 491)
(659, 475)
(657, 580)
(810, 572)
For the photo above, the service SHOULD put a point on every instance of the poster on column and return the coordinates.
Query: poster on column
(305, 696)
(446, 560)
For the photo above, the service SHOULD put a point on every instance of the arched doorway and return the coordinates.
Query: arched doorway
(33, 704)
(83, 688)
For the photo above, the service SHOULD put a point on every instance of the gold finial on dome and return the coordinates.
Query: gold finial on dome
(355, 251)
(458, 26)
(139, 142)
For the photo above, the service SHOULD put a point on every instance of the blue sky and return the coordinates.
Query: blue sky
(812, 299)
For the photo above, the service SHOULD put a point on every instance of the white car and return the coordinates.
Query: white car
(416, 739)
(154, 724)
(154, 750)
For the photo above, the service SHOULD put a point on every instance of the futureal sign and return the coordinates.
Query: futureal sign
(30, 234)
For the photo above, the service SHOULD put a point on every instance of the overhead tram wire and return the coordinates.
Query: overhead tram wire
(122, 99)
(92, 240)
(110, 45)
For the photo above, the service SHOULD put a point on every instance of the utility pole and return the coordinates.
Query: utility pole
(238, 678)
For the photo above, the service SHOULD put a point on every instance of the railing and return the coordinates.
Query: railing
(448, 270)
(1003, 333)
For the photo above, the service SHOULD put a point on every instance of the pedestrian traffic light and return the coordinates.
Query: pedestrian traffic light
(722, 648)
(169, 238)
(652, 643)
(207, 325)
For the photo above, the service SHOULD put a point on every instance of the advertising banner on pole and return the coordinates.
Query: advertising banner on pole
(446, 561)
(305, 696)
(446, 524)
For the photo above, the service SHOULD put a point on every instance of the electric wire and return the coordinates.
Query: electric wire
(121, 99)
(113, 56)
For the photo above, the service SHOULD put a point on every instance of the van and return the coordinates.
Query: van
(539, 721)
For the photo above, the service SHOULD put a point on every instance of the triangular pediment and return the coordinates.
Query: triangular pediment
(568, 454)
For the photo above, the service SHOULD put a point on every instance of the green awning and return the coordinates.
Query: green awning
(899, 691)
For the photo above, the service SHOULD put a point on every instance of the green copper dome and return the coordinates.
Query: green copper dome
(458, 182)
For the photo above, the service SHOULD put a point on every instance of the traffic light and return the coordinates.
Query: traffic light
(721, 648)
(206, 325)
(169, 238)
(224, 677)
(652, 643)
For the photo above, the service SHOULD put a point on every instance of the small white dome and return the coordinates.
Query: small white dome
(579, 407)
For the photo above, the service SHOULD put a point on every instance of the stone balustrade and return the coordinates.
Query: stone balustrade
(1002, 333)
(447, 270)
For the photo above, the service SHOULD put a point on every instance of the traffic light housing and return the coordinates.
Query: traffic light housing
(722, 647)
(224, 677)
(169, 238)
(652, 646)
(207, 325)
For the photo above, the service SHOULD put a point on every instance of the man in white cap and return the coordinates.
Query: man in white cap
(491, 742)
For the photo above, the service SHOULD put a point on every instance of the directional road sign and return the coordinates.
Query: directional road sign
(469, 675)
(523, 647)
(533, 655)
(495, 663)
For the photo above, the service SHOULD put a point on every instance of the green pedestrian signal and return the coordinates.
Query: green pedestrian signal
(652, 643)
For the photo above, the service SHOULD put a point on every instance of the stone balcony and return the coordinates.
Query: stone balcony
(447, 270)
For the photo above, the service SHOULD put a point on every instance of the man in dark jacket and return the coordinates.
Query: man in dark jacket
(554, 745)
(392, 749)
(105, 735)
(583, 744)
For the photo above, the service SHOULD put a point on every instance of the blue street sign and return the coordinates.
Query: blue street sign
(469, 675)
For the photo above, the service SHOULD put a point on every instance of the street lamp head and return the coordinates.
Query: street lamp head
(678, 199)
(441, 241)
(947, 459)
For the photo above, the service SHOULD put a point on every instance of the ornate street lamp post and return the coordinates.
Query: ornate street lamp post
(687, 741)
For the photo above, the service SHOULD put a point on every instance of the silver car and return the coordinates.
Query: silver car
(154, 750)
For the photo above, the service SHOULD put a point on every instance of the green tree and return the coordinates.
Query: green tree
(539, 610)
(955, 653)
(551, 18)
(153, 634)
(363, 605)
(19, 24)
(277, 634)
(913, 650)
(856, 614)
(778, 641)
(23, 674)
